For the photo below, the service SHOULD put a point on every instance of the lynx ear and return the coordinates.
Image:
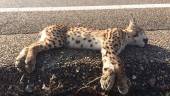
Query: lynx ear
(131, 25)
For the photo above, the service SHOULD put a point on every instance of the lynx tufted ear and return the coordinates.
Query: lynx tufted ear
(131, 26)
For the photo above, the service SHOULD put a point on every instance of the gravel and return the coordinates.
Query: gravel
(63, 72)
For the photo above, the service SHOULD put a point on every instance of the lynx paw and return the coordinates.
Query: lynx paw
(107, 79)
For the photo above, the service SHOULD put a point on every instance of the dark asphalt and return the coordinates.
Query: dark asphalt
(30, 22)
(56, 3)
(148, 68)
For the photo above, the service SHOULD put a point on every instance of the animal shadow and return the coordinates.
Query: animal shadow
(62, 72)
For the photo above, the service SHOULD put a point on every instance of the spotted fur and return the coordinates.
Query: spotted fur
(110, 41)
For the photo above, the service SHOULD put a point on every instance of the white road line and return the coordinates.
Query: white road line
(70, 8)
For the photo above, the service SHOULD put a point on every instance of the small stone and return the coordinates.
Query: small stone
(167, 59)
(161, 77)
(83, 77)
(84, 73)
(128, 65)
(45, 62)
(143, 85)
(78, 69)
(162, 71)
(44, 87)
(159, 52)
(151, 61)
(29, 88)
(42, 68)
(141, 67)
(53, 77)
(87, 57)
(166, 75)
(152, 82)
(10, 87)
(39, 80)
(133, 77)
(74, 75)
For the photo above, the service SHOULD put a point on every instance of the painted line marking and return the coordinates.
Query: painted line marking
(71, 8)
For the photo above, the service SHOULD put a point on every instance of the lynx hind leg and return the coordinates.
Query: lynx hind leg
(51, 37)
(26, 59)
(30, 59)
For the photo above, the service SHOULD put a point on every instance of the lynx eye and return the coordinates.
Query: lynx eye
(105, 69)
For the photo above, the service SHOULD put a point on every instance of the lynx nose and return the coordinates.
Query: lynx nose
(145, 41)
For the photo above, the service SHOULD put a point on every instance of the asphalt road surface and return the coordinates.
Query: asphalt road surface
(148, 68)
(56, 3)
(30, 22)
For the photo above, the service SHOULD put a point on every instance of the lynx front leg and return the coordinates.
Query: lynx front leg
(123, 83)
(113, 72)
(108, 71)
